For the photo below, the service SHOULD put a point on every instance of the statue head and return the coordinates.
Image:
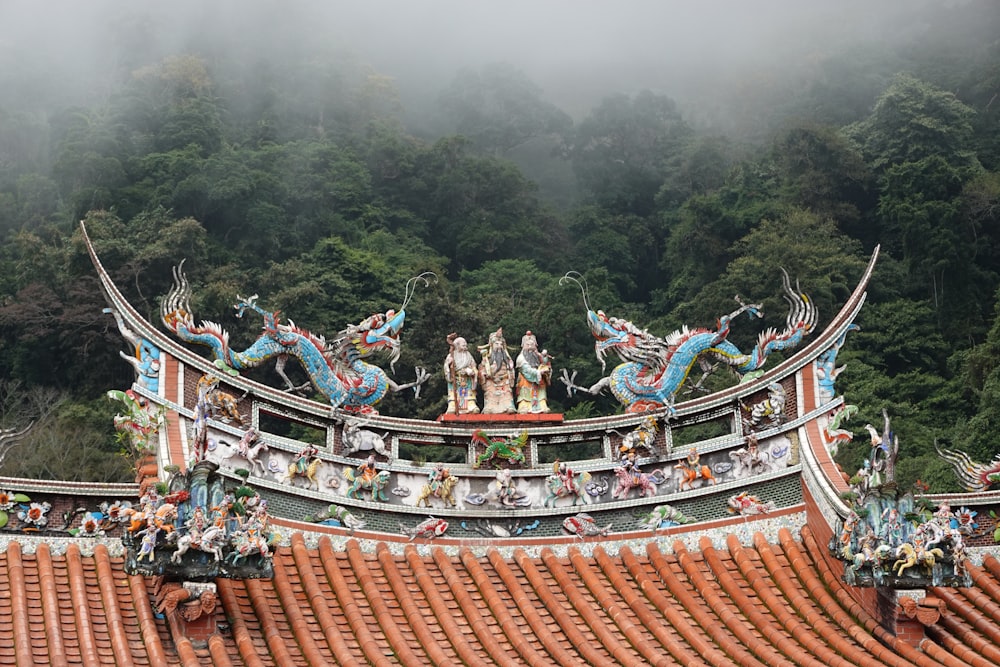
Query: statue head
(497, 340)
(528, 341)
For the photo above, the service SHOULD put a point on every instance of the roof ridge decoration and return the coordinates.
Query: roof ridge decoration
(336, 368)
(974, 476)
(194, 529)
(653, 369)
(771, 408)
(896, 541)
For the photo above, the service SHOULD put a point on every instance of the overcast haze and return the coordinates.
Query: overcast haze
(577, 51)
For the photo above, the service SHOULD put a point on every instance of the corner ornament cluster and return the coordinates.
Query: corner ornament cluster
(894, 541)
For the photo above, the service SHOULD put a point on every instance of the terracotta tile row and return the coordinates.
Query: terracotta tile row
(766, 604)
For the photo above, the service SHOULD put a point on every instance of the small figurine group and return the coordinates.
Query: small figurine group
(496, 374)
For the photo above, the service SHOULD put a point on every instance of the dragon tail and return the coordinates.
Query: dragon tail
(970, 474)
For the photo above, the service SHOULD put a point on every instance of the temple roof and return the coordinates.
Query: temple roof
(767, 604)
(754, 584)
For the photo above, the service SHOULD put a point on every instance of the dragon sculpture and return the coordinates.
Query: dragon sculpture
(833, 433)
(335, 368)
(974, 476)
(510, 449)
(653, 369)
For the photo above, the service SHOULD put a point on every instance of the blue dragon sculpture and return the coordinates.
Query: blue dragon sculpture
(653, 369)
(335, 368)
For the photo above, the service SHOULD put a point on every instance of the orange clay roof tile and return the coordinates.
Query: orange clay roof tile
(769, 603)
(318, 595)
(961, 603)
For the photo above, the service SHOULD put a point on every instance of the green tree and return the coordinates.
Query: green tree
(600, 241)
(621, 151)
(821, 171)
(499, 109)
(918, 141)
(980, 376)
(921, 204)
(912, 120)
(699, 246)
(822, 261)
(482, 209)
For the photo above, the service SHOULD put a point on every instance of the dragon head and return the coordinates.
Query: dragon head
(377, 333)
(609, 334)
(380, 332)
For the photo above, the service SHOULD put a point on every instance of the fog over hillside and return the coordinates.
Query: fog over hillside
(577, 51)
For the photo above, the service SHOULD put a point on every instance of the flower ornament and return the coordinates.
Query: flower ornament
(36, 516)
(90, 526)
(116, 512)
(966, 520)
(7, 501)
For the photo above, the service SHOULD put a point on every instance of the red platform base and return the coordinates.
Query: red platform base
(546, 418)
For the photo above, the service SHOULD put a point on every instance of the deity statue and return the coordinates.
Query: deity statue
(506, 488)
(628, 462)
(567, 477)
(305, 457)
(461, 374)
(535, 368)
(437, 476)
(366, 471)
(496, 375)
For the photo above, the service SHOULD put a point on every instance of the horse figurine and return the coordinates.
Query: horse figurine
(692, 472)
(211, 541)
(246, 545)
(634, 479)
(915, 555)
(162, 518)
(557, 489)
(309, 473)
(443, 490)
(250, 447)
(374, 485)
(509, 449)
(868, 554)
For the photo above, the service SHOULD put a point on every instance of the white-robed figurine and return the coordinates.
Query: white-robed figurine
(461, 374)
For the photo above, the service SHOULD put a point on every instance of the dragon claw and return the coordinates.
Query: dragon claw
(569, 381)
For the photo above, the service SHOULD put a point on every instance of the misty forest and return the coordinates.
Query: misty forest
(319, 155)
